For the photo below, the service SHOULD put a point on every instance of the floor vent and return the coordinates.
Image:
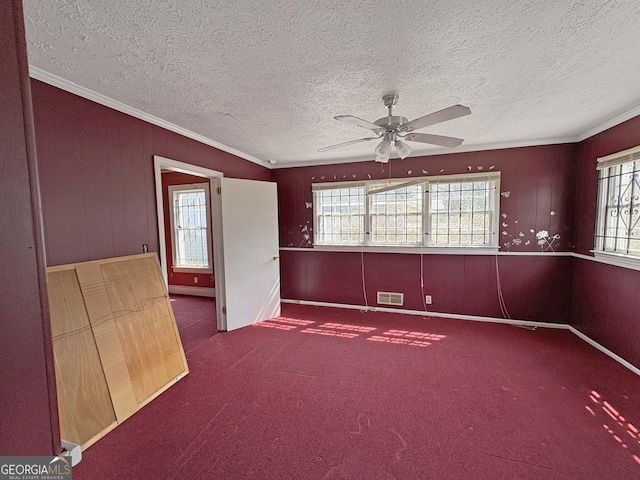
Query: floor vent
(391, 298)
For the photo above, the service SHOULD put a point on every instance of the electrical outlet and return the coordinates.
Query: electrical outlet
(145, 248)
(195, 279)
(427, 299)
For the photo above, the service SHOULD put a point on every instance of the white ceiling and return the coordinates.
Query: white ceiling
(264, 79)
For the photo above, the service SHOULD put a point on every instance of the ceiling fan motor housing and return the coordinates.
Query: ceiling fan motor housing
(392, 123)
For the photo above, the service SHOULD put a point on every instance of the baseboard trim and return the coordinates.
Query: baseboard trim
(606, 351)
(194, 291)
(422, 313)
(475, 318)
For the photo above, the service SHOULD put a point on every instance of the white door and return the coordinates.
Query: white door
(246, 251)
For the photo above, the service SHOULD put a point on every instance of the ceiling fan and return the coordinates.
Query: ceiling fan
(393, 129)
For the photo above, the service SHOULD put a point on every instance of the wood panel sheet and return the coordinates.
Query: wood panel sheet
(116, 342)
(84, 402)
(145, 323)
(107, 339)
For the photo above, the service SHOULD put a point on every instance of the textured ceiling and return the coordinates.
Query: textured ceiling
(266, 78)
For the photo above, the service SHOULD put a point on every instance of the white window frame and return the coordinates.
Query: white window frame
(182, 188)
(318, 187)
(370, 186)
(493, 207)
(604, 164)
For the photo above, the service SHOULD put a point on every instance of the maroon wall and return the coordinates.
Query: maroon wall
(534, 288)
(28, 419)
(621, 137)
(537, 184)
(179, 278)
(606, 299)
(97, 179)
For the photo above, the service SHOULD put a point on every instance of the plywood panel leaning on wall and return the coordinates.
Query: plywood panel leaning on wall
(84, 403)
(146, 326)
(114, 331)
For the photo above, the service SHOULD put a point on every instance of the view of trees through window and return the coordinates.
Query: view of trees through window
(396, 216)
(459, 210)
(340, 216)
(461, 213)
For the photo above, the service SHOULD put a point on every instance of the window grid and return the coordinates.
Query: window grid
(340, 216)
(619, 192)
(190, 224)
(396, 216)
(432, 211)
(461, 213)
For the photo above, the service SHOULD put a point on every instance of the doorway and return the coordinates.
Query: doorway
(244, 221)
(184, 280)
(188, 234)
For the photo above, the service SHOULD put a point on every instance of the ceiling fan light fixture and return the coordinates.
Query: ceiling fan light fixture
(383, 151)
(393, 127)
(403, 149)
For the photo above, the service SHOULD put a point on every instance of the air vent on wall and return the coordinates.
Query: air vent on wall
(390, 298)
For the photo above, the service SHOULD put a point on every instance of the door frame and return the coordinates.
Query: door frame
(161, 164)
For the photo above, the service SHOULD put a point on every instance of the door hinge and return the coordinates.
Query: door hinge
(219, 190)
(224, 310)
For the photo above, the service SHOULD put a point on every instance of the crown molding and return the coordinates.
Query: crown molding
(612, 122)
(437, 151)
(71, 87)
(59, 82)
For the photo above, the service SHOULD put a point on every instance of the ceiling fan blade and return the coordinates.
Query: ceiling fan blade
(436, 117)
(439, 140)
(352, 142)
(358, 121)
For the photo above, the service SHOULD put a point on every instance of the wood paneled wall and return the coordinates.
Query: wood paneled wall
(97, 176)
(606, 299)
(537, 186)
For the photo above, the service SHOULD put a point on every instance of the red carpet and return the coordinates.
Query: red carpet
(196, 319)
(330, 393)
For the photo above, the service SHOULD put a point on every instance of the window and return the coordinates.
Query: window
(396, 214)
(190, 228)
(461, 212)
(618, 222)
(339, 214)
(446, 211)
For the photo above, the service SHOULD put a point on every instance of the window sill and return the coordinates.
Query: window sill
(203, 270)
(625, 261)
(408, 250)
